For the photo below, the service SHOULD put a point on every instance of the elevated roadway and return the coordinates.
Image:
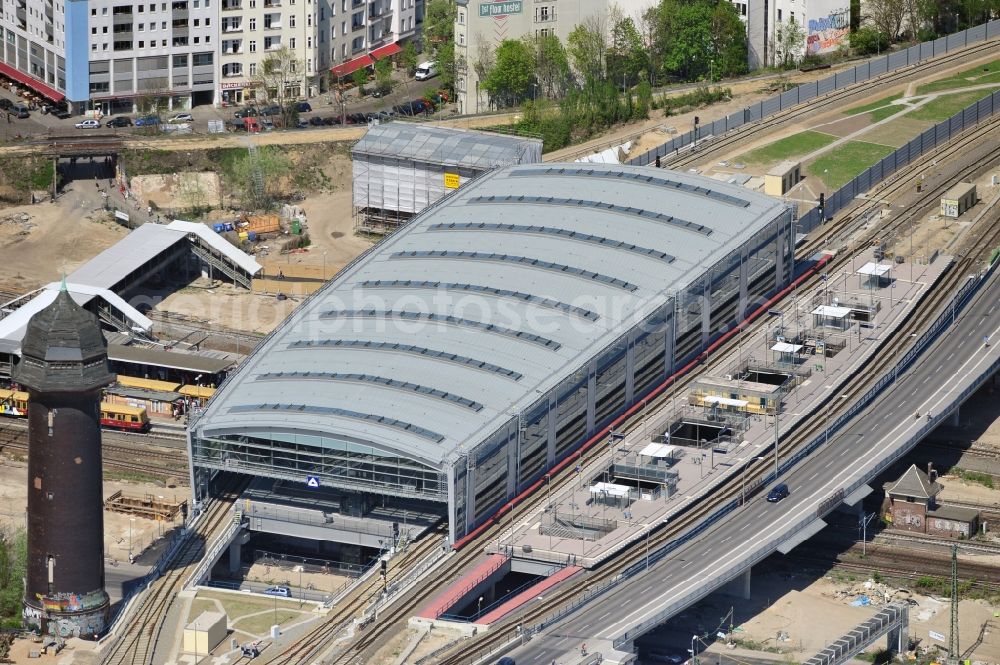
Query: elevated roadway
(946, 374)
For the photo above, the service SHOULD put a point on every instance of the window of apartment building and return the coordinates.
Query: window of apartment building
(309, 41)
(208, 22)
(163, 25)
(93, 47)
(291, 43)
(142, 44)
(358, 43)
(253, 69)
(163, 7)
(197, 22)
(201, 59)
(180, 41)
(309, 65)
(163, 42)
(197, 4)
(104, 30)
(197, 40)
(461, 18)
(253, 24)
(343, 28)
(180, 61)
(93, 12)
(309, 20)
(253, 4)
(461, 39)
(253, 46)
(104, 11)
(779, 15)
(791, 16)
(343, 50)
(291, 20)
(140, 8)
(123, 45)
(142, 27)
(93, 31)
(104, 46)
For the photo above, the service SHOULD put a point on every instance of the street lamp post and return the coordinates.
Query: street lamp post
(865, 519)
(743, 484)
(694, 653)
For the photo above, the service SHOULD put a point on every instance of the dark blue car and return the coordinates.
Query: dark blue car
(147, 121)
(777, 493)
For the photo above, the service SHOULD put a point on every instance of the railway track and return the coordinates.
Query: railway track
(315, 641)
(975, 246)
(866, 90)
(134, 645)
(131, 458)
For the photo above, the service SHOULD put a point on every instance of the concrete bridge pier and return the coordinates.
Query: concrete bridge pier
(739, 586)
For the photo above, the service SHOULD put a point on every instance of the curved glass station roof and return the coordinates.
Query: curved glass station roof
(430, 341)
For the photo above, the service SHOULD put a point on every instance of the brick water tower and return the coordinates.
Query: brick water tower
(64, 365)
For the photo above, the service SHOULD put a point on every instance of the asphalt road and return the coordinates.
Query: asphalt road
(723, 550)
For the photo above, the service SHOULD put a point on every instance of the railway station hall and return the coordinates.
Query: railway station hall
(453, 364)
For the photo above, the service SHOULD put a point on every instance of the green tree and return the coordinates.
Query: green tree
(867, 40)
(588, 49)
(510, 79)
(886, 16)
(383, 76)
(279, 76)
(551, 66)
(257, 177)
(360, 77)
(408, 58)
(698, 39)
(439, 36)
(789, 38)
(628, 57)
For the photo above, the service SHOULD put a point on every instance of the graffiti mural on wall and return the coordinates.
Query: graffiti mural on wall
(828, 32)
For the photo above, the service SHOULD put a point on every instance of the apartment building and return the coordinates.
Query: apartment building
(252, 30)
(353, 33)
(110, 54)
(824, 26)
(488, 22)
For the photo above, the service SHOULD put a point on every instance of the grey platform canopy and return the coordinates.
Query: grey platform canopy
(429, 342)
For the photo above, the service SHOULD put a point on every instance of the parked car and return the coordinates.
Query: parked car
(120, 121)
(5, 103)
(777, 493)
(62, 114)
(316, 121)
(89, 123)
(248, 112)
(181, 117)
(147, 121)
(426, 70)
(20, 110)
(331, 120)
(303, 107)
(273, 109)
(302, 124)
(506, 660)
(282, 591)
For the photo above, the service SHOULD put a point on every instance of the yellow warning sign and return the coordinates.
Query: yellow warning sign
(451, 181)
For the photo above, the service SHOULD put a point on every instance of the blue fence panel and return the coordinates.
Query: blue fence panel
(716, 128)
(940, 45)
(826, 85)
(862, 72)
(807, 91)
(956, 40)
(897, 60)
(993, 29)
(955, 124)
(926, 50)
(878, 67)
(770, 106)
(809, 221)
(863, 182)
(843, 78)
(976, 34)
(789, 98)
(913, 148)
(941, 133)
(913, 54)
(734, 120)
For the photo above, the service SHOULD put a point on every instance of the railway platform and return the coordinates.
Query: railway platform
(701, 439)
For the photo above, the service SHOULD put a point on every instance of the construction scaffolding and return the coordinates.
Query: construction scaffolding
(401, 168)
(147, 506)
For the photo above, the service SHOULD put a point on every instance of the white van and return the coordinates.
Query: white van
(426, 70)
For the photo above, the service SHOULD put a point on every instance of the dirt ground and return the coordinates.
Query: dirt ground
(117, 527)
(57, 238)
(428, 642)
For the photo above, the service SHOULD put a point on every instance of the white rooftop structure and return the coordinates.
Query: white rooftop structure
(610, 489)
(785, 347)
(659, 450)
(428, 343)
(218, 243)
(831, 312)
(726, 401)
(874, 269)
(13, 326)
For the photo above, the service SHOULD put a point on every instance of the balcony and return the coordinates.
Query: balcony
(272, 26)
(271, 3)
(232, 6)
(227, 29)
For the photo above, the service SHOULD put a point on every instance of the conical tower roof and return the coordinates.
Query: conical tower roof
(63, 349)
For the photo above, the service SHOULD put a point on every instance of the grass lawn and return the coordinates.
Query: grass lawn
(199, 605)
(987, 73)
(237, 606)
(788, 147)
(877, 104)
(261, 623)
(838, 166)
(946, 106)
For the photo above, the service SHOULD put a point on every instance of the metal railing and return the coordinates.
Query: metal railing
(866, 71)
